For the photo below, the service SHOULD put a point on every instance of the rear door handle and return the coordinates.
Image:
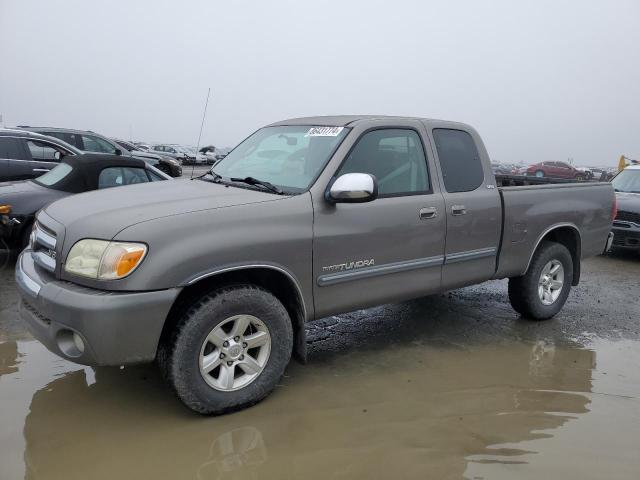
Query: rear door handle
(40, 170)
(458, 210)
(428, 212)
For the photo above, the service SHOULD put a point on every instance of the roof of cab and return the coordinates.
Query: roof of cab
(350, 120)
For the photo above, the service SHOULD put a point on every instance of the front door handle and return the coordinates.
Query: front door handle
(428, 212)
(458, 210)
(40, 170)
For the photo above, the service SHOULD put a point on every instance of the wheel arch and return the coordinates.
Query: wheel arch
(566, 234)
(278, 281)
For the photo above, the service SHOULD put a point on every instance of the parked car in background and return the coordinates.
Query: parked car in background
(210, 152)
(603, 174)
(168, 165)
(186, 155)
(84, 140)
(25, 155)
(504, 168)
(555, 170)
(19, 201)
(588, 174)
(91, 142)
(626, 226)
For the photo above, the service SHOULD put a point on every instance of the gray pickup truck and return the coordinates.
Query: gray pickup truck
(215, 277)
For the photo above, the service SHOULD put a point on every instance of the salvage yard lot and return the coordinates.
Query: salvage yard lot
(446, 386)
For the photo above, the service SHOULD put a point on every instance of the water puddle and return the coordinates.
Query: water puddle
(521, 409)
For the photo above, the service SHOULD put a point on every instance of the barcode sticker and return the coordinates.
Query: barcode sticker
(324, 131)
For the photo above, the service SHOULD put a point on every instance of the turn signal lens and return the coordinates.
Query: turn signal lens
(120, 259)
(104, 260)
(5, 209)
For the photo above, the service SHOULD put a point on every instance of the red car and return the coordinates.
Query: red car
(555, 170)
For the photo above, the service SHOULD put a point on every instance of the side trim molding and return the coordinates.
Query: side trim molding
(470, 255)
(368, 272)
(396, 267)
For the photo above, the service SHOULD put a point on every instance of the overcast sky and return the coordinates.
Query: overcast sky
(540, 80)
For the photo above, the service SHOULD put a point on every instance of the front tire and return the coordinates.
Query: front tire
(229, 350)
(542, 291)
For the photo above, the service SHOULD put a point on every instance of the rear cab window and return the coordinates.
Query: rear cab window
(459, 160)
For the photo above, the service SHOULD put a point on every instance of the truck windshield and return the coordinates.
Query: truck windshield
(627, 181)
(290, 157)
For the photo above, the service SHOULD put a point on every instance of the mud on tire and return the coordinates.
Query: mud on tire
(523, 291)
(179, 354)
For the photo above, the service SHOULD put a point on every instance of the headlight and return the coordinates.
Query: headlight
(104, 260)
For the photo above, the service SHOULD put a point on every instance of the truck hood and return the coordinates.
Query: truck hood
(628, 202)
(104, 213)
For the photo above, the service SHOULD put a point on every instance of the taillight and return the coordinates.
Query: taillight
(614, 210)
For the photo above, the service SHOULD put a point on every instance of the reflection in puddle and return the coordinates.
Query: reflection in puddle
(410, 411)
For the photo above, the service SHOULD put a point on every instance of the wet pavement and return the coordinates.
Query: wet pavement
(450, 386)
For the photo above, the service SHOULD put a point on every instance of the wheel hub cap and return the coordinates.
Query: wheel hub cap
(551, 282)
(235, 352)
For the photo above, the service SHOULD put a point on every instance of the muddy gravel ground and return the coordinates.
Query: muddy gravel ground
(449, 386)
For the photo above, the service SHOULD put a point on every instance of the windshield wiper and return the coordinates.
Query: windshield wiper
(254, 181)
(216, 177)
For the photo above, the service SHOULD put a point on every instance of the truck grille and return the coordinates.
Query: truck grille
(628, 216)
(44, 247)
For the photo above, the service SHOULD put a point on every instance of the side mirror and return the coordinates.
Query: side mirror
(118, 151)
(353, 188)
(58, 155)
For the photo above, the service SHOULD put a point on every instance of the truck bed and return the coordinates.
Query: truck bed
(531, 211)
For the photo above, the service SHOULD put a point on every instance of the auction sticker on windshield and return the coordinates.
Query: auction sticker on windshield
(324, 131)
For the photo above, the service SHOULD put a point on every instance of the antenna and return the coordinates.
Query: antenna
(204, 114)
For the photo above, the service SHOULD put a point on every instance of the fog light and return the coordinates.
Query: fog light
(70, 343)
(77, 341)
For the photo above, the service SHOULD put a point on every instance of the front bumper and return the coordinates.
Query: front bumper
(116, 328)
(626, 235)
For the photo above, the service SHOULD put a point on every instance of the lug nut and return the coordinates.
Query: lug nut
(236, 338)
(222, 355)
(225, 344)
(245, 344)
(241, 357)
(229, 363)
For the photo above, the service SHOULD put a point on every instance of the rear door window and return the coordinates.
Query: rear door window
(11, 148)
(459, 160)
(42, 151)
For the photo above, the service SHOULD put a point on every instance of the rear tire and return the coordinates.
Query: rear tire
(200, 334)
(542, 291)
